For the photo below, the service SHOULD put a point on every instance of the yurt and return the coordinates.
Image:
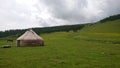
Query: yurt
(30, 38)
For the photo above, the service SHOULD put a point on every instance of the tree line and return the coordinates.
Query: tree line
(66, 28)
(111, 18)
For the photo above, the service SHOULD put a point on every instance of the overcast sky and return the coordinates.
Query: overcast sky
(20, 14)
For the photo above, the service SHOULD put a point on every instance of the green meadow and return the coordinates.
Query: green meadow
(94, 46)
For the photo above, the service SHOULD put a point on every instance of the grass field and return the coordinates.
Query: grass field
(65, 50)
(96, 46)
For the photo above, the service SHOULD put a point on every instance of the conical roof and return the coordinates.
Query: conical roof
(30, 35)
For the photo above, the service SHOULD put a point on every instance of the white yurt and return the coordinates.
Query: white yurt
(30, 38)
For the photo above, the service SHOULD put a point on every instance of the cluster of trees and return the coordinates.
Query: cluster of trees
(10, 33)
(66, 28)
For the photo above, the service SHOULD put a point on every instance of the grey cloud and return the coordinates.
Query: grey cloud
(60, 9)
(15, 16)
(112, 7)
(83, 10)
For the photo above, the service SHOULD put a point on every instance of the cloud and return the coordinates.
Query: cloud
(66, 10)
(14, 15)
(19, 14)
(82, 11)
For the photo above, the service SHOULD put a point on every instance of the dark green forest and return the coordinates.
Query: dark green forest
(111, 18)
(66, 28)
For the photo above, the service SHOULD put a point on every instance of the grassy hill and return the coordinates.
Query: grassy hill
(108, 25)
(95, 46)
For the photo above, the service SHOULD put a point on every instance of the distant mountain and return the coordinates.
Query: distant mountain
(107, 25)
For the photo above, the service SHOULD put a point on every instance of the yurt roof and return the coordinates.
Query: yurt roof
(30, 35)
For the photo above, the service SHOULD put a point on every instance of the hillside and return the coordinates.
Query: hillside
(108, 25)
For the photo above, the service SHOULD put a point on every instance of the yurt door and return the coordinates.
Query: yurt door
(18, 42)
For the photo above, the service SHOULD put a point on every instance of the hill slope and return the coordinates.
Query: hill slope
(112, 26)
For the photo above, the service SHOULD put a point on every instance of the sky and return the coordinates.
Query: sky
(22, 14)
